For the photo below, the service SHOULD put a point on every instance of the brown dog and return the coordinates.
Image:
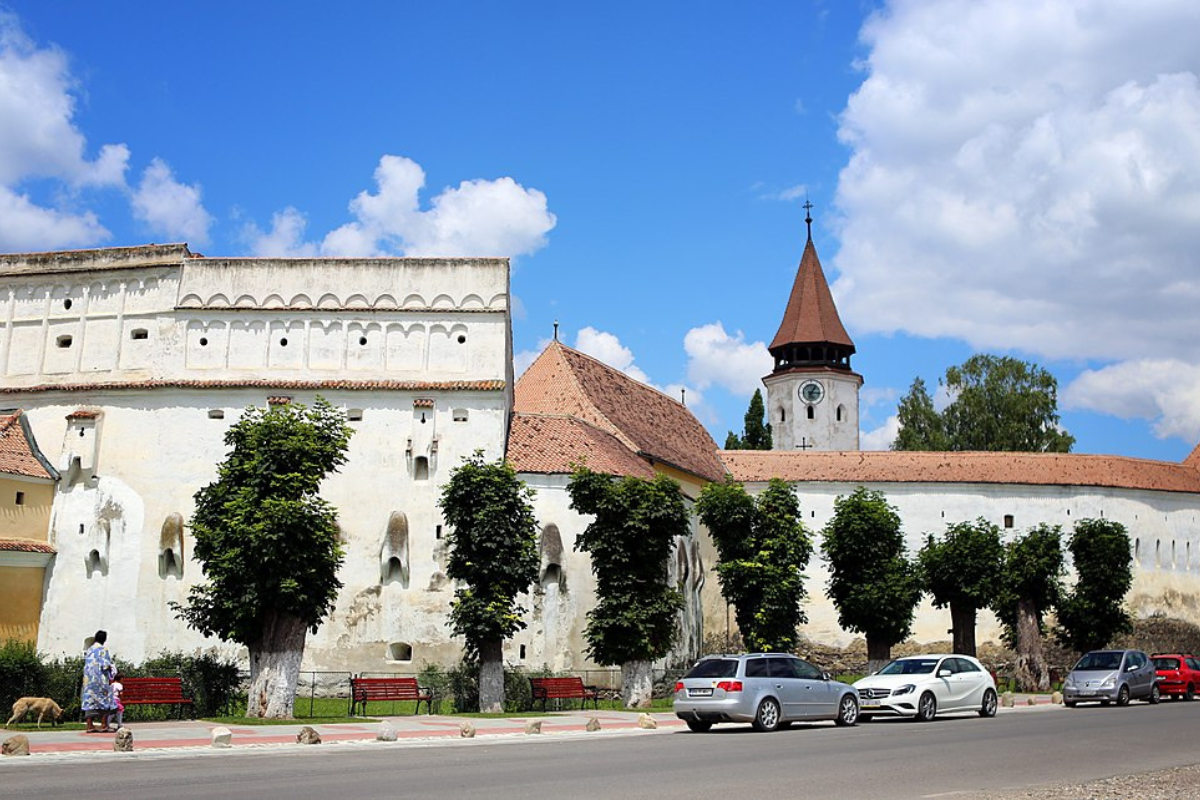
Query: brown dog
(42, 706)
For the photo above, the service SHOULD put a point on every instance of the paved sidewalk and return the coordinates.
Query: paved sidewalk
(180, 735)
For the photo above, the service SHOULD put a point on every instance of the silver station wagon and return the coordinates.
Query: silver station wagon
(768, 690)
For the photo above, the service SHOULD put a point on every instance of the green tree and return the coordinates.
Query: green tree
(630, 541)
(1093, 613)
(921, 426)
(1031, 585)
(962, 571)
(999, 404)
(756, 433)
(762, 550)
(268, 544)
(492, 544)
(871, 581)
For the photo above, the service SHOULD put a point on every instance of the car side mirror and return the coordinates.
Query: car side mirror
(825, 676)
(1131, 668)
(944, 673)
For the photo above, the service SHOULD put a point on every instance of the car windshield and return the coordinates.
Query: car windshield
(714, 668)
(909, 666)
(1166, 663)
(1094, 662)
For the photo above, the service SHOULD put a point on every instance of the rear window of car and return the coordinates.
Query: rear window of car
(1166, 663)
(714, 668)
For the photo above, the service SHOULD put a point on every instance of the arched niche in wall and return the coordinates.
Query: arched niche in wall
(170, 547)
(553, 569)
(97, 556)
(393, 553)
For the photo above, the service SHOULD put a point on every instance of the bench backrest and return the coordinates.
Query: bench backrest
(385, 688)
(553, 686)
(163, 690)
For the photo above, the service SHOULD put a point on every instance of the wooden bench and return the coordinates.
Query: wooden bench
(154, 691)
(365, 690)
(563, 689)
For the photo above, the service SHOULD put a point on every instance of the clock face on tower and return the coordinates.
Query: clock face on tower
(811, 392)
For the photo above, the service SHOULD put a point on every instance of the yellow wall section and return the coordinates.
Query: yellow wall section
(20, 602)
(30, 520)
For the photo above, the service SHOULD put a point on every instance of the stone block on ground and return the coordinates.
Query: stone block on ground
(1008, 700)
(387, 732)
(646, 721)
(1031, 701)
(1056, 698)
(593, 724)
(308, 735)
(222, 737)
(16, 745)
(534, 726)
(123, 741)
(466, 730)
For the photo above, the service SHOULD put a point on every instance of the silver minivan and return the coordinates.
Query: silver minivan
(768, 690)
(1112, 676)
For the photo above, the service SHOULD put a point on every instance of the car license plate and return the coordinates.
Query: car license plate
(699, 692)
(869, 704)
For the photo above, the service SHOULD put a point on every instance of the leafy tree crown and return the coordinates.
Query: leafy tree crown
(1093, 613)
(963, 567)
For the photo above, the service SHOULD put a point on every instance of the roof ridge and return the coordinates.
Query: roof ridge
(622, 373)
(612, 428)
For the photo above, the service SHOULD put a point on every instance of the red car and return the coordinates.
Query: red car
(1178, 675)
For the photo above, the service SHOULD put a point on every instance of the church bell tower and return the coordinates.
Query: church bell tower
(812, 394)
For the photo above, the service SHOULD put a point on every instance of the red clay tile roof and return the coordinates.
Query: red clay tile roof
(811, 315)
(25, 546)
(1194, 458)
(266, 383)
(565, 382)
(423, 402)
(1038, 469)
(19, 454)
(556, 444)
(83, 413)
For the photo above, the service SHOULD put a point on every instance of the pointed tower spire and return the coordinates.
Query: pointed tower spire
(811, 333)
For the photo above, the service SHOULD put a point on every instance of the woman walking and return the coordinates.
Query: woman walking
(98, 668)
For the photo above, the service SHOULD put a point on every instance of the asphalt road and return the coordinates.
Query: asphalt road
(883, 759)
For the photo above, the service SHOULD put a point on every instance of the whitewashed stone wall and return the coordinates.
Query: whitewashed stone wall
(1159, 524)
(834, 425)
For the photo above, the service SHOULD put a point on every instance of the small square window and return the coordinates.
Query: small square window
(20, 498)
(63, 341)
(137, 334)
(1008, 520)
(354, 415)
(216, 413)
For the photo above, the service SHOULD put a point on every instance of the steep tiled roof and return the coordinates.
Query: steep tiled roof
(1194, 458)
(25, 546)
(565, 382)
(19, 454)
(811, 315)
(555, 444)
(1048, 469)
(265, 383)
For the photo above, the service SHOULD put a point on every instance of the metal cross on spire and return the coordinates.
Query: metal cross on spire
(808, 215)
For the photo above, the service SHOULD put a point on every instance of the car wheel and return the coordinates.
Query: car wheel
(1190, 694)
(767, 718)
(847, 711)
(988, 709)
(1155, 695)
(926, 708)
(699, 726)
(1070, 703)
(1123, 696)
(865, 717)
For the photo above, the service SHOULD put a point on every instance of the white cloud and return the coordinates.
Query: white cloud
(716, 357)
(25, 226)
(170, 208)
(39, 140)
(1166, 391)
(1026, 175)
(606, 347)
(477, 218)
(285, 239)
(881, 438)
(878, 395)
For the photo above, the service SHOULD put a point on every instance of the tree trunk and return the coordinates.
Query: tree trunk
(491, 676)
(1032, 674)
(637, 683)
(962, 619)
(275, 666)
(879, 653)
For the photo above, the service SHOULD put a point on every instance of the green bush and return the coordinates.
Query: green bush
(22, 673)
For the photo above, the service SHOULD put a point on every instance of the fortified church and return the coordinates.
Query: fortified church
(122, 368)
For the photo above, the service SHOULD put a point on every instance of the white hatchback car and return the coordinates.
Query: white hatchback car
(921, 687)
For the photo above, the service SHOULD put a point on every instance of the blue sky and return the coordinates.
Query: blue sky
(1017, 177)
